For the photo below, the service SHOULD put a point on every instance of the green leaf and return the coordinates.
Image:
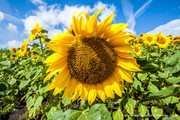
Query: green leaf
(57, 115)
(142, 110)
(77, 115)
(153, 88)
(130, 118)
(174, 99)
(23, 84)
(173, 80)
(173, 60)
(172, 90)
(162, 75)
(154, 54)
(156, 112)
(51, 111)
(130, 105)
(5, 63)
(142, 76)
(178, 106)
(32, 112)
(167, 100)
(99, 112)
(12, 81)
(65, 101)
(30, 102)
(171, 118)
(4, 88)
(38, 102)
(118, 115)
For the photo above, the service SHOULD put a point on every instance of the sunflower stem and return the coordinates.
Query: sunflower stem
(41, 47)
(147, 53)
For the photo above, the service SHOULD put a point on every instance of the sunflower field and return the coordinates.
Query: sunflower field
(94, 71)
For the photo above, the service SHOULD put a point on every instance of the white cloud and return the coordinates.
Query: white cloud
(170, 28)
(14, 43)
(130, 16)
(55, 19)
(37, 2)
(1, 16)
(12, 27)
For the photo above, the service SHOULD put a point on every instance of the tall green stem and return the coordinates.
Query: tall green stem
(41, 47)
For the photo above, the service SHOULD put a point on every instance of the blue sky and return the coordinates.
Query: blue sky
(17, 17)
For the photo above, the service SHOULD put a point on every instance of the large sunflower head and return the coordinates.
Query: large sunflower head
(92, 60)
(163, 41)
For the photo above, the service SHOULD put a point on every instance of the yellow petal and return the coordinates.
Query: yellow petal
(92, 94)
(63, 38)
(78, 91)
(126, 75)
(100, 92)
(115, 29)
(70, 88)
(108, 89)
(128, 64)
(125, 49)
(103, 25)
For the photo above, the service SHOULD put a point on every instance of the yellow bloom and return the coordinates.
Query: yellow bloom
(141, 35)
(22, 52)
(149, 39)
(43, 35)
(136, 50)
(36, 58)
(92, 62)
(176, 40)
(34, 32)
(3, 53)
(13, 50)
(162, 41)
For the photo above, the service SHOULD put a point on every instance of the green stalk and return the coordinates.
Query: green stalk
(41, 47)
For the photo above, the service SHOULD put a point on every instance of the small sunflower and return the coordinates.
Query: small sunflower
(136, 49)
(92, 60)
(43, 35)
(34, 32)
(162, 41)
(176, 40)
(13, 50)
(149, 39)
(22, 52)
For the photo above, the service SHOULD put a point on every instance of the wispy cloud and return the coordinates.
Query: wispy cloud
(1, 16)
(170, 28)
(130, 15)
(12, 18)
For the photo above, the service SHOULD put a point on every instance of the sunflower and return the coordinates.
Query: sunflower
(92, 60)
(149, 39)
(136, 49)
(13, 50)
(162, 41)
(34, 32)
(43, 35)
(22, 52)
(176, 40)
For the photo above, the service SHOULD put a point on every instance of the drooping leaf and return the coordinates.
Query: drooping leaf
(118, 115)
(99, 112)
(156, 112)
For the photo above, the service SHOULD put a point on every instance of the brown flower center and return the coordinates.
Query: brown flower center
(91, 60)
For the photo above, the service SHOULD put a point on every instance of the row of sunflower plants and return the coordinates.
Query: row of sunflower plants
(153, 93)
